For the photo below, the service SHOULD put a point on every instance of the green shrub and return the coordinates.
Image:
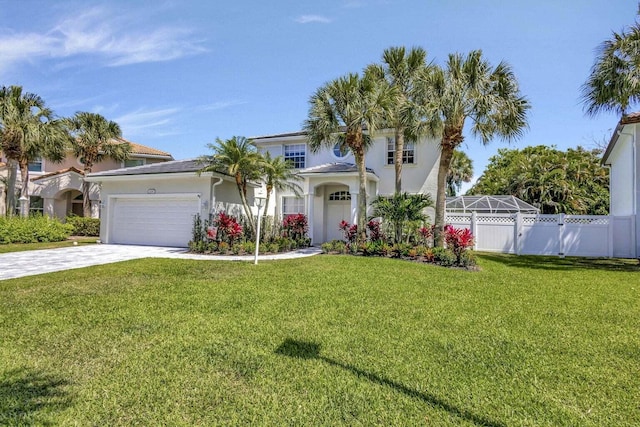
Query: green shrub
(83, 226)
(33, 229)
(444, 257)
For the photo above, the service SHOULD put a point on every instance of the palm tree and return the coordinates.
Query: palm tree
(279, 175)
(28, 131)
(349, 110)
(460, 170)
(401, 70)
(239, 158)
(93, 139)
(614, 82)
(470, 88)
(401, 209)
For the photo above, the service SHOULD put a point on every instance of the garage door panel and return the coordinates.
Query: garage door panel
(153, 221)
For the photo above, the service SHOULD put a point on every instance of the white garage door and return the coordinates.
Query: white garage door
(154, 221)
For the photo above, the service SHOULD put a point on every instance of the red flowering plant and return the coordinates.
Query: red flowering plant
(227, 227)
(350, 232)
(458, 240)
(375, 232)
(426, 235)
(295, 227)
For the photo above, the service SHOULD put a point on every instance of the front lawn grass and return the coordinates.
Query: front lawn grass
(20, 247)
(327, 340)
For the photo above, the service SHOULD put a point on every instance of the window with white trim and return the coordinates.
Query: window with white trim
(35, 165)
(36, 205)
(408, 152)
(339, 196)
(296, 154)
(292, 205)
(129, 163)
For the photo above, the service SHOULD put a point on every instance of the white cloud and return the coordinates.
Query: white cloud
(115, 40)
(220, 105)
(307, 19)
(147, 123)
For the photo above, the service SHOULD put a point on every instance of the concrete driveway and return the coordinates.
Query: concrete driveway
(29, 263)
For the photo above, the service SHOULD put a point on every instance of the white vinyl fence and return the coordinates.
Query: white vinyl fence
(563, 235)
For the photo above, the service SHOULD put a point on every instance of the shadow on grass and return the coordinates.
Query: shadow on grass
(557, 263)
(311, 351)
(27, 396)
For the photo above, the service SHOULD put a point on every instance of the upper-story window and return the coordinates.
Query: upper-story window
(340, 150)
(296, 154)
(408, 152)
(129, 163)
(35, 165)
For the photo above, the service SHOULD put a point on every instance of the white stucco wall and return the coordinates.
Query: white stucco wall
(225, 196)
(621, 184)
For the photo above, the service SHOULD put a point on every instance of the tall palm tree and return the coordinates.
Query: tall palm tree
(614, 81)
(28, 131)
(401, 70)
(239, 158)
(460, 170)
(349, 110)
(279, 175)
(94, 138)
(470, 88)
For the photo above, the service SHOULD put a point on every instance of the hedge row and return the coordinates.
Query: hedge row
(33, 229)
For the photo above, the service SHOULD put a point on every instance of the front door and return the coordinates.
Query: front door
(338, 210)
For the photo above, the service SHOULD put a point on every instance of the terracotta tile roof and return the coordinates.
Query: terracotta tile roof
(60, 172)
(143, 149)
(630, 118)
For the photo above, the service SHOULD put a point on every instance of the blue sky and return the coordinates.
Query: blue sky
(177, 74)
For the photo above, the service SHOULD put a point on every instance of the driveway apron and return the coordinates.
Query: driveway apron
(29, 263)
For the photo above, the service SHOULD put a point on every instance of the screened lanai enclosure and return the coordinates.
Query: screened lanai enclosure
(489, 204)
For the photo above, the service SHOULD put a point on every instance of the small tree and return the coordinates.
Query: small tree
(401, 209)
(239, 158)
(94, 138)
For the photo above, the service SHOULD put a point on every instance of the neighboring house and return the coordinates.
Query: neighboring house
(622, 156)
(155, 204)
(330, 178)
(56, 188)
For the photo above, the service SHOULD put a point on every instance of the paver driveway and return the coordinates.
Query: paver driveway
(28, 263)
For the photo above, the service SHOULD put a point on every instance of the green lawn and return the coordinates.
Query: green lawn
(19, 247)
(327, 340)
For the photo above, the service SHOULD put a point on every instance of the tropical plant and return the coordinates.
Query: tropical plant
(401, 70)
(469, 88)
(295, 227)
(554, 181)
(28, 131)
(614, 81)
(460, 170)
(400, 210)
(458, 240)
(280, 175)
(349, 110)
(239, 158)
(228, 229)
(94, 138)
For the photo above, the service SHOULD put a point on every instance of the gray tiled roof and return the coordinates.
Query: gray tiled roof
(175, 166)
(336, 167)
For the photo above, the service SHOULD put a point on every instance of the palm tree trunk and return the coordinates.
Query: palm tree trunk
(245, 205)
(362, 195)
(24, 190)
(86, 202)
(398, 157)
(446, 153)
(11, 186)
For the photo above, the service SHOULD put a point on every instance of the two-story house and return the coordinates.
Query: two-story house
(156, 204)
(330, 177)
(55, 189)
